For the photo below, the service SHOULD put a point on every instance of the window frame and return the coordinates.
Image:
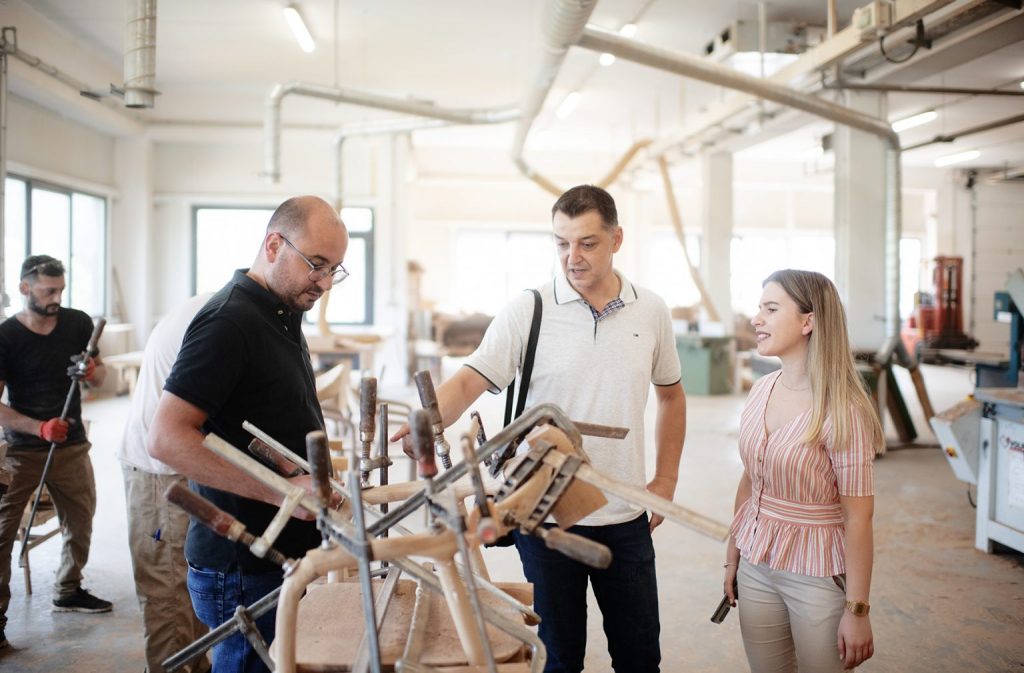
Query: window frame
(31, 184)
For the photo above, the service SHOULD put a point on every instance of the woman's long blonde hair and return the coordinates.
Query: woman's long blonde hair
(836, 387)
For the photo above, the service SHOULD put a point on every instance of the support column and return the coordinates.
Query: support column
(131, 222)
(860, 224)
(716, 238)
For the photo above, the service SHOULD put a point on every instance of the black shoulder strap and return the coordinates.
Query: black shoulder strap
(531, 350)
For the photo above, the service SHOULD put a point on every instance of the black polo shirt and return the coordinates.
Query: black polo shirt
(35, 369)
(244, 358)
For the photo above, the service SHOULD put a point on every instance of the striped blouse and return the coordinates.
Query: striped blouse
(792, 520)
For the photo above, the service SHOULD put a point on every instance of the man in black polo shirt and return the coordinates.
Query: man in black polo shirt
(244, 358)
(36, 346)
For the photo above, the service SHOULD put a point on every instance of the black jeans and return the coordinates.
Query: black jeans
(627, 593)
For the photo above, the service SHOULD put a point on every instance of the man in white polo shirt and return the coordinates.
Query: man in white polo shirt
(603, 342)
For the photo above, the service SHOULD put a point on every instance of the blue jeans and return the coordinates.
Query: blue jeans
(627, 593)
(215, 595)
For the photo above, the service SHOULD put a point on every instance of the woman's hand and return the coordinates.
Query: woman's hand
(856, 644)
(729, 585)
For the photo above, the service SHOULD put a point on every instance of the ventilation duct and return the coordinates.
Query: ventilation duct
(272, 114)
(140, 53)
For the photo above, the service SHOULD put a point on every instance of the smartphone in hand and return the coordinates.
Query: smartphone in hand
(723, 607)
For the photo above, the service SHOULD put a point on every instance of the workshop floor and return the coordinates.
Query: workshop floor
(937, 603)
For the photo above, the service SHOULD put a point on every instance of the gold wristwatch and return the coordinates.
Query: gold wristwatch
(858, 608)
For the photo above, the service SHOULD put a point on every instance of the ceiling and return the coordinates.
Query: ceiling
(218, 61)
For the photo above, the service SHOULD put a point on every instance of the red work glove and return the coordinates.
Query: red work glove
(54, 430)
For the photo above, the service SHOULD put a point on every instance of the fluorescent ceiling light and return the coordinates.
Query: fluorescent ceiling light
(298, 26)
(957, 158)
(628, 30)
(901, 125)
(568, 104)
(606, 59)
(1022, 84)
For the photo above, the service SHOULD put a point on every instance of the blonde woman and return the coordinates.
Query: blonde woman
(804, 505)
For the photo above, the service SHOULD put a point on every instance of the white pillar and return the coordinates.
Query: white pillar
(860, 224)
(130, 224)
(716, 228)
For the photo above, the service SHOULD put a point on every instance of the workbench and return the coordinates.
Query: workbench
(1000, 515)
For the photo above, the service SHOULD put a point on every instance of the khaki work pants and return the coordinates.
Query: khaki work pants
(156, 538)
(72, 488)
(789, 621)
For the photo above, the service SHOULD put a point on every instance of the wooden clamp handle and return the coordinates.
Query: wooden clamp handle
(319, 456)
(423, 443)
(204, 511)
(97, 332)
(576, 547)
(367, 405)
(428, 396)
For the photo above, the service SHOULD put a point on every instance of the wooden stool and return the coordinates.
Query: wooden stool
(44, 513)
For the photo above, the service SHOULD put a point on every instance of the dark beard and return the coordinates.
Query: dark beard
(39, 309)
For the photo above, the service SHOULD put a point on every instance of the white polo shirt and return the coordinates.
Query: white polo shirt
(596, 371)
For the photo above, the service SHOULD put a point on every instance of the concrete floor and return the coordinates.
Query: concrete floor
(937, 603)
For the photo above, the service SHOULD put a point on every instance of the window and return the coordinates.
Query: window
(226, 239)
(496, 265)
(755, 257)
(668, 275)
(44, 219)
(351, 302)
(912, 268)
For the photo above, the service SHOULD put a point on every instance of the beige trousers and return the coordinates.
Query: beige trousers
(789, 621)
(73, 491)
(156, 538)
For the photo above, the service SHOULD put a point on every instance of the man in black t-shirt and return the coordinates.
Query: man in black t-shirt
(36, 347)
(244, 358)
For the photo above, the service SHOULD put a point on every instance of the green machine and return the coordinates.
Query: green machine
(706, 363)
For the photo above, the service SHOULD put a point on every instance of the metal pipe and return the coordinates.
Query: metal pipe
(4, 299)
(902, 88)
(78, 85)
(561, 26)
(601, 40)
(381, 127)
(762, 33)
(893, 233)
(140, 53)
(272, 114)
(966, 132)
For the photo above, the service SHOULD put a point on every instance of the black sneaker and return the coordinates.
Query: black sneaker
(82, 601)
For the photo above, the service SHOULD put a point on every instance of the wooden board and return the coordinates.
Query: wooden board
(330, 626)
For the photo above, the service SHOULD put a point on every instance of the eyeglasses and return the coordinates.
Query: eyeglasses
(318, 272)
